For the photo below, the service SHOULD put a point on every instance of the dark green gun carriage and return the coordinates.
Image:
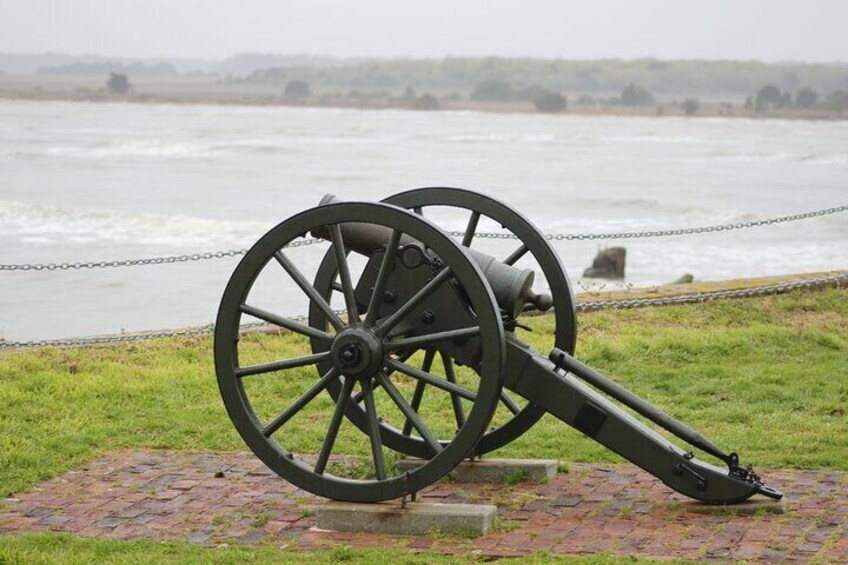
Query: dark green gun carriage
(424, 295)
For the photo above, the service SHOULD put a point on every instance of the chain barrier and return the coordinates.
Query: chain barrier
(139, 262)
(697, 297)
(116, 339)
(672, 232)
(693, 298)
(483, 235)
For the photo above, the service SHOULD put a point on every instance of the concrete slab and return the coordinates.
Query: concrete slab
(754, 505)
(417, 518)
(510, 471)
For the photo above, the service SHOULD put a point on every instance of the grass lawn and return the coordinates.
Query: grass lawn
(69, 550)
(765, 377)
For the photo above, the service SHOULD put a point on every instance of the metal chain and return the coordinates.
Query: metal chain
(139, 262)
(483, 235)
(666, 233)
(696, 297)
(114, 339)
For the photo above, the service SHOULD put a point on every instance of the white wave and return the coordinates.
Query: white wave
(502, 138)
(778, 157)
(539, 138)
(757, 157)
(275, 144)
(353, 140)
(153, 148)
(815, 159)
(234, 148)
(652, 212)
(37, 240)
(134, 148)
(491, 137)
(54, 225)
(19, 154)
(631, 202)
(650, 138)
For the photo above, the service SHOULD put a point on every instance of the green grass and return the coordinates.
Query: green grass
(37, 549)
(764, 377)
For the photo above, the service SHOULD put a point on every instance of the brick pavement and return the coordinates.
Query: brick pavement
(212, 498)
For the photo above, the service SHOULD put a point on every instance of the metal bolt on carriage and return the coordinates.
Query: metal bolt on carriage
(427, 317)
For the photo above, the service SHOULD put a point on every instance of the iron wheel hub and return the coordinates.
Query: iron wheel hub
(357, 353)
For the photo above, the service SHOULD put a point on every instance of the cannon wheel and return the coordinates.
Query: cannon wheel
(529, 241)
(262, 436)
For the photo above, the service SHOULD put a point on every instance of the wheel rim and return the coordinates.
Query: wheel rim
(348, 358)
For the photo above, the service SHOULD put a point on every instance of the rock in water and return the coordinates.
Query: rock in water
(687, 278)
(608, 264)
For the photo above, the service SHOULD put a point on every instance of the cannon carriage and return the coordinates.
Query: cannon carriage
(428, 317)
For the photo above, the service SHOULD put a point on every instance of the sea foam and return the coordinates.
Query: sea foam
(48, 225)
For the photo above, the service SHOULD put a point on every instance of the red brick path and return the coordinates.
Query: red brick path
(232, 498)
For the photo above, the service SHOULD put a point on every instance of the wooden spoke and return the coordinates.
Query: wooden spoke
(382, 276)
(286, 323)
(516, 255)
(430, 339)
(374, 430)
(344, 273)
(333, 430)
(432, 380)
(450, 375)
(418, 394)
(406, 409)
(470, 229)
(510, 403)
(282, 365)
(298, 404)
(310, 291)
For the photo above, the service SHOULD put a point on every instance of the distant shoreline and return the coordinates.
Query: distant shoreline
(203, 91)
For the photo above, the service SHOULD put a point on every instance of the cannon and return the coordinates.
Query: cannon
(413, 297)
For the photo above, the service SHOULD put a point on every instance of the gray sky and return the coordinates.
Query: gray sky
(811, 30)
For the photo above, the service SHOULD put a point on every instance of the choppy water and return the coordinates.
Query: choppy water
(113, 181)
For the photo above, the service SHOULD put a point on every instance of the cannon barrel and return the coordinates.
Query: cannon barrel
(512, 287)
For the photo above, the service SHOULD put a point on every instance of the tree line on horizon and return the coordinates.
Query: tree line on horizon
(767, 98)
(603, 83)
(707, 79)
(547, 83)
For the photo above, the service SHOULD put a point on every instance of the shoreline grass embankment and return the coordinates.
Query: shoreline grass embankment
(216, 92)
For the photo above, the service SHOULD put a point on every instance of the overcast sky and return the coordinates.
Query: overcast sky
(811, 30)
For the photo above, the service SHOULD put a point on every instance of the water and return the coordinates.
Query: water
(85, 181)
